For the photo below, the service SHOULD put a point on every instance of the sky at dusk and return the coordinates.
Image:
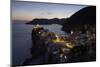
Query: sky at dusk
(30, 10)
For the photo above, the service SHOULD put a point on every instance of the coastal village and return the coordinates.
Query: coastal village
(78, 44)
(73, 47)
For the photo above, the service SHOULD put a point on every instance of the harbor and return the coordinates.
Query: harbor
(73, 47)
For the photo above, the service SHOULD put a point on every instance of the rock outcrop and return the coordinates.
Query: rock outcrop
(85, 16)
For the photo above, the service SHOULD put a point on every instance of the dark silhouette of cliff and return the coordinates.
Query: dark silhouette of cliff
(85, 16)
(47, 21)
(84, 20)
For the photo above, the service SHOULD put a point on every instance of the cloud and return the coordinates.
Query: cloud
(49, 13)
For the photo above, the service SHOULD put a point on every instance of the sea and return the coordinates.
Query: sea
(21, 40)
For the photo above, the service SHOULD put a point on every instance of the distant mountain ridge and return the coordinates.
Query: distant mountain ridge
(47, 21)
(83, 17)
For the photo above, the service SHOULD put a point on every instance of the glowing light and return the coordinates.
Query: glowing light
(37, 26)
(58, 39)
(57, 36)
(72, 32)
(61, 55)
(65, 57)
(39, 32)
(69, 45)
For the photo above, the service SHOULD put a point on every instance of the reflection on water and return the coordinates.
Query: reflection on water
(46, 45)
(21, 41)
